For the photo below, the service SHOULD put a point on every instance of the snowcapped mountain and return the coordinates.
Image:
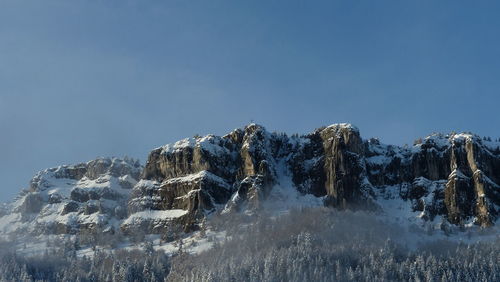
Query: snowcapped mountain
(442, 178)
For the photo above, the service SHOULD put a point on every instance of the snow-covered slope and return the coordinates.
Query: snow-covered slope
(70, 199)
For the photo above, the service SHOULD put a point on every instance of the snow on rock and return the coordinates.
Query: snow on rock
(70, 198)
(441, 179)
(344, 126)
(137, 217)
(197, 177)
(284, 196)
(153, 221)
(210, 143)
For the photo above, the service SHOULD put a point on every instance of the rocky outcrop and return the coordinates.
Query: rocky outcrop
(460, 169)
(452, 177)
(330, 162)
(344, 168)
(199, 174)
(195, 193)
(192, 155)
(82, 198)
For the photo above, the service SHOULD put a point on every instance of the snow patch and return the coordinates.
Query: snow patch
(204, 174)
(137, 217)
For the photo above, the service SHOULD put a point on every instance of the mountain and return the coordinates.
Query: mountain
(86, 197)
(441, 179)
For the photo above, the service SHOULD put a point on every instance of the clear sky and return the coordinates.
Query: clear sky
(80, 79)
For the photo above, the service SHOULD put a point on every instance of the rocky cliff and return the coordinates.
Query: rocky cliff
(452, 177)
(84, 198)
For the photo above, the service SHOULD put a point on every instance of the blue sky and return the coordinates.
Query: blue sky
(80, 79)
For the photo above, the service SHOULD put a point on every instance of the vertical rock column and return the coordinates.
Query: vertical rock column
(475, 161)
(343, 149)
(465, 190)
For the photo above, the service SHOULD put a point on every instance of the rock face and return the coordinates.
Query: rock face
(200, 174)
(453, 175)
(70, 199)
(450, 177)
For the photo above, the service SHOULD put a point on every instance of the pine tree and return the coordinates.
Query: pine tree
(146, 270)
(203, 228)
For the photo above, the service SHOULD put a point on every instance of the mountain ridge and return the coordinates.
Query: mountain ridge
(442, 178)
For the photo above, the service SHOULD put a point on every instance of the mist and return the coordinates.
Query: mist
(320, 244)
(310, 244)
